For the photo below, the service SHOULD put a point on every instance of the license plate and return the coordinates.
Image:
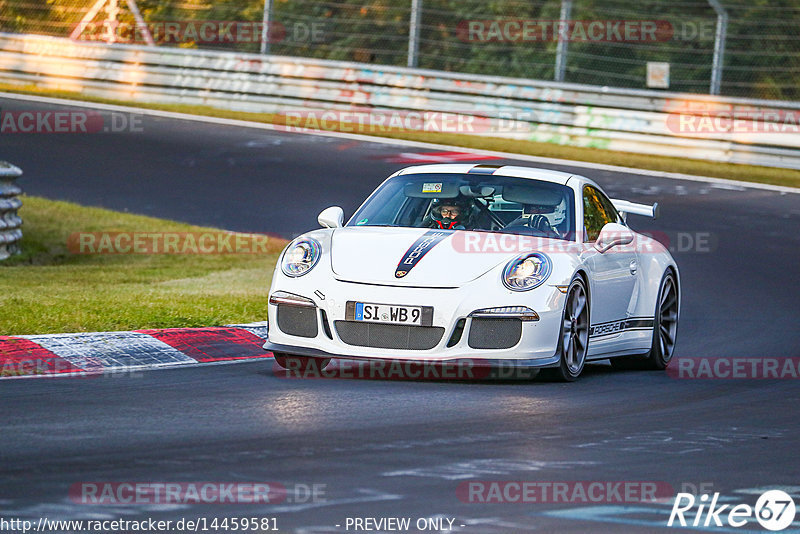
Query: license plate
(386, 313)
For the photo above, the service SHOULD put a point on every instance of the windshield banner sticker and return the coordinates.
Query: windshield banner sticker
(415, 252)
(432, 187)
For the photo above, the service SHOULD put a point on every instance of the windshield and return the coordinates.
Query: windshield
(477, 203)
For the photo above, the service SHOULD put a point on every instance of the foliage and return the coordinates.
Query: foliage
(762, 58)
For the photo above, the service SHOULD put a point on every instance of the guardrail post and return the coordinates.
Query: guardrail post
(561, 50)
(265, 27)
(10, 222)
(413, 33)
(719, 46)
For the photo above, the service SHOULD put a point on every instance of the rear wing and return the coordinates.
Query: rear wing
(625, 207)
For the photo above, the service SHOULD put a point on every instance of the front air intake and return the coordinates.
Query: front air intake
(494, 333)
(298, 321)
(388, 336)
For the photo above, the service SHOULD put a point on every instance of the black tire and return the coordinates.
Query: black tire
(573, 339)
(300, 364)
(665, 330)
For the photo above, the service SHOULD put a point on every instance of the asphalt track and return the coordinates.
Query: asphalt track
(387, 448)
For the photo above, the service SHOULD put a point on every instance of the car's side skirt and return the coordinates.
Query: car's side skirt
(613, 328)
(620, 338)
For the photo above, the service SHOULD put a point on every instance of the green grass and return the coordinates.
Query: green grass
(731, 171)
(50, 289)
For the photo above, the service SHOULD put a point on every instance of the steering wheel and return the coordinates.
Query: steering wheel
(540, 223)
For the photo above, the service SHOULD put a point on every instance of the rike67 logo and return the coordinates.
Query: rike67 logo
(774, 510)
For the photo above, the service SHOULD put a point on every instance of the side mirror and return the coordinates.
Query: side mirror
(611, 235)
(332, 217)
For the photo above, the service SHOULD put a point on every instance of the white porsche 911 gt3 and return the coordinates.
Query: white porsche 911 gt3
(488, 264)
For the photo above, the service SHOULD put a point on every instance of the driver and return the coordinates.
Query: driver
(449, 214)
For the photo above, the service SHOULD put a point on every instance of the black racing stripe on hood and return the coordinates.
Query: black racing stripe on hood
(417, 251)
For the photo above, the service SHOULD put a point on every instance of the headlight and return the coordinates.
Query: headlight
(300, 257)
(527, 271)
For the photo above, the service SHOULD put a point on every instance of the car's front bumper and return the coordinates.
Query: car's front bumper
(328, 304)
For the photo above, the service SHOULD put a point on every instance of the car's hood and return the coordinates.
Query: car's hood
(408, 256)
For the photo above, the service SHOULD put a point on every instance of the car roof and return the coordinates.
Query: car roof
(545, 175)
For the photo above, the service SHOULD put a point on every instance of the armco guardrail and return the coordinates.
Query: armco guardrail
(672, 124)
(10, 221)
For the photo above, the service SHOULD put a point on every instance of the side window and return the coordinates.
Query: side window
(597, 212)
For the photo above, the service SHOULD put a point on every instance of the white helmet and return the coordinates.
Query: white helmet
(557, 216)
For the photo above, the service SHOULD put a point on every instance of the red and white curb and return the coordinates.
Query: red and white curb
(110, 352)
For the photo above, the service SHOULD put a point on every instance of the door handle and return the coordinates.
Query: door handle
(634, 267)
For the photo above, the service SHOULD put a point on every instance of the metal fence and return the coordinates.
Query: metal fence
(754, 44)
(10, 221)
(671, 124)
